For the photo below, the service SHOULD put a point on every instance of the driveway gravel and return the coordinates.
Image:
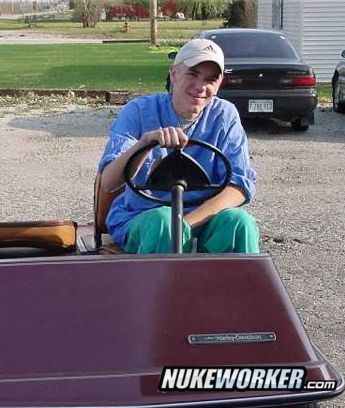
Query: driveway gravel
(50, 152)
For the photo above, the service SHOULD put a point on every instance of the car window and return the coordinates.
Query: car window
(254, 45)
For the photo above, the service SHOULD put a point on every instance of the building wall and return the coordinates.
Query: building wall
(265, 14)
(292, 22)
(323, 35)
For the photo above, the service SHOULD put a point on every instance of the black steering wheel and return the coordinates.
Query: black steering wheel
(183, 161)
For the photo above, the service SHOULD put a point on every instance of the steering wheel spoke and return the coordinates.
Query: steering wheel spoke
(181, 169)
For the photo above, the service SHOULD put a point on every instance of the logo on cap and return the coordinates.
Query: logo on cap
(209, 49)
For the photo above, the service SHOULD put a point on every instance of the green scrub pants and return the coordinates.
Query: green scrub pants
(231, 230)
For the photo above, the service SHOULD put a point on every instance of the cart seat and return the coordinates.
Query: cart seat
(54, 237)
(102, 201)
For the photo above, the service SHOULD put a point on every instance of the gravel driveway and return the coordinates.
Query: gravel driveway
(49, 162)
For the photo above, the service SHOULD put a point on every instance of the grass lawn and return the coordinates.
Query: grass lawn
(325, 92)
(167, 30)
(132, 67)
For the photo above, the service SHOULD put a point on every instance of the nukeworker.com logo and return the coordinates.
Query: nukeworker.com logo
(239, 379)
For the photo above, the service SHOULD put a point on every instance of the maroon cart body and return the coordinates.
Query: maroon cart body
(97, 330)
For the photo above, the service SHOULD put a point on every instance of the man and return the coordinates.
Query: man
(192, 109)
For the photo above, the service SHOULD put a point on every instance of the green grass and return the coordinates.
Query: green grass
(132, 67)
(115, 29)
(325, 92)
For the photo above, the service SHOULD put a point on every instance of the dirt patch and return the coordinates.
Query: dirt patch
(36, 37)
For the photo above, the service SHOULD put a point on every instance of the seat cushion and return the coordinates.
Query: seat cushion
(56, 235)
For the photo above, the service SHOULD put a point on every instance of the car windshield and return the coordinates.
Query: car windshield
(254, 45)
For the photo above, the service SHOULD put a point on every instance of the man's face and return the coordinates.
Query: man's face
(194, 87)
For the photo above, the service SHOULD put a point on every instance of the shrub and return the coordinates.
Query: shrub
(242, 13)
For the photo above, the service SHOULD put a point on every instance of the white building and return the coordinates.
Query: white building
(316, 28)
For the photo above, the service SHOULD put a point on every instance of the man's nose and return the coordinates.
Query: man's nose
(201, 85)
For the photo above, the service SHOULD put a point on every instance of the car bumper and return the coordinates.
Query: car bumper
(287, 104)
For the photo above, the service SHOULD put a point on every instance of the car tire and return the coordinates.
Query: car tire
(337, 105)
(298, 126)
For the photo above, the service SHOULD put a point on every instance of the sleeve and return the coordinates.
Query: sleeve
(124, 133)
(236, 150)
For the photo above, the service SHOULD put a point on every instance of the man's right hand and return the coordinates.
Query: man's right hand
(166, 137)
(113, 177)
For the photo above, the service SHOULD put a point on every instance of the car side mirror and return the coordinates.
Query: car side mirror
(343, 54)
(172, 55)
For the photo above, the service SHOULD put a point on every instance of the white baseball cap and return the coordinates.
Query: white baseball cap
(200, 50)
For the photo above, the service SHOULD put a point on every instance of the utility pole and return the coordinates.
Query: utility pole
(153, 21)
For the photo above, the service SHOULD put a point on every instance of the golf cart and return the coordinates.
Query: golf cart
(84, 324)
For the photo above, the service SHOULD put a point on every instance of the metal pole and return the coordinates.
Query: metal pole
(177, 218)
(153, 21)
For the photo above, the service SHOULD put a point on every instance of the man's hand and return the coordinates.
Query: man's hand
(113, 177)
(231, 197)
(166, 137)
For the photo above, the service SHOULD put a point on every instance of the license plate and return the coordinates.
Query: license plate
(260, 105)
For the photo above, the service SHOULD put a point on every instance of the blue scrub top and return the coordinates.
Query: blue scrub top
(219, 124)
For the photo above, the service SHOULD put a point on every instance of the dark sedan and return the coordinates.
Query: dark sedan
(265, 77)
(338, 85)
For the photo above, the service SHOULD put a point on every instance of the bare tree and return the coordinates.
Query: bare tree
(88, 12)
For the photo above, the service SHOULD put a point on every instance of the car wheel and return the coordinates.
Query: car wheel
(337, 105)
(298, 125)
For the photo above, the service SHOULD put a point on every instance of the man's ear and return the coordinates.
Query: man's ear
(172, 73)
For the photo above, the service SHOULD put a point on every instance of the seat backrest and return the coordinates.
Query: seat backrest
(102, 201)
